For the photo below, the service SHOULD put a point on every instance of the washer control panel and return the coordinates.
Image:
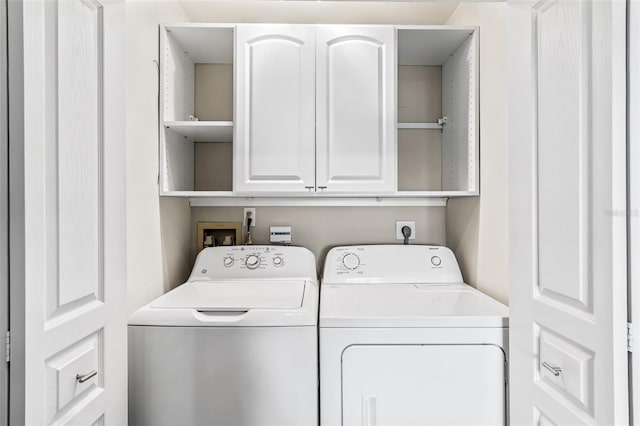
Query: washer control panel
(391, 263)
(254, 257)
(254, 262)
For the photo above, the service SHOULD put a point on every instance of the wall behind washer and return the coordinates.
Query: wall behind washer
(478, 228)
(321, 228)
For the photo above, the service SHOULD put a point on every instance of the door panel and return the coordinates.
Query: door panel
(74, 220)
(274, 138)
(564, 146)
(355, 113)
(423, 385)
(74, 149)
(568, 227)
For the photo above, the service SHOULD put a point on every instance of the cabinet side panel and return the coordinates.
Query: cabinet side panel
(178, 80)
(460, 137)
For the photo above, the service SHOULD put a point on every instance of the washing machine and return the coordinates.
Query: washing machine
(404, 341)
(234, 345)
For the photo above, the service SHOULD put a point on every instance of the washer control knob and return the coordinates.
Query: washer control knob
(351, 261)
(228, 261)
(277, 261)
(436, 261)
(252, 261)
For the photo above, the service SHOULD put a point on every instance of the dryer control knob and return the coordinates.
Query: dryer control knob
(436, 261)
(351, 261)
(277, 261)
(252, 261)
(228, 261)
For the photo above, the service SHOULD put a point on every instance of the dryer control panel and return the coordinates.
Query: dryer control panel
(391, 264)
(241, 262)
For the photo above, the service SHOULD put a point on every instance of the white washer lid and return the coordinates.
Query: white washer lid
(234, 295)
(409, 305)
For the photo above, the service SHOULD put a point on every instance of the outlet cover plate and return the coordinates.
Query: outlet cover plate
(411, 224)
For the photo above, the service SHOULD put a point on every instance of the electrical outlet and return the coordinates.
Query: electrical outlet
(253, 216)
(410, 223)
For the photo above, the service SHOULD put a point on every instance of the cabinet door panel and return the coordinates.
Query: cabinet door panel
(355, 101)
(274, 137)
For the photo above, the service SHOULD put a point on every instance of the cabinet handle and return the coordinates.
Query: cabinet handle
(81, 378)
(309, 188)
(322, 188)
(555, 370)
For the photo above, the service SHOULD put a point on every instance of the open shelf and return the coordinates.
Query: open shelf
(426, 126)
(203, 131)
(437, 78)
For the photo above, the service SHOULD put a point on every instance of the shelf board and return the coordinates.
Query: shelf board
(400, 198)
(203, 131)
(324, 201)
(427, 126)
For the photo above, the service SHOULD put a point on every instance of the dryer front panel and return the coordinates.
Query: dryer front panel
(423, 385)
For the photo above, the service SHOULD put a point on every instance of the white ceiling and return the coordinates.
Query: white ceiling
(319, 12)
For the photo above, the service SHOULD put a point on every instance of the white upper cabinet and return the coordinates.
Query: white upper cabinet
(355, 109)
(323, 111)
(275, 123)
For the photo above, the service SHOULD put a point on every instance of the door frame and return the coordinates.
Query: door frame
(633, 216)
(16, 228)
(4, 215)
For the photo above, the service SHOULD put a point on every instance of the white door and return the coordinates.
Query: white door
(355, 109)
(274, 138)
(67, 212)
(568, 213)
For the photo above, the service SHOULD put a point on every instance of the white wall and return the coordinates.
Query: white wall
(157, 229)
(477, 228)
(321, 228)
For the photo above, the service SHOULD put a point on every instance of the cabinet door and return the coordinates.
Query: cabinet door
(355, 109)
(274, 135)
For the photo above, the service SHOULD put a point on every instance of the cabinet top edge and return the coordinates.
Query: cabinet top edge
(201, 25)
(231, 26)
(438, 27)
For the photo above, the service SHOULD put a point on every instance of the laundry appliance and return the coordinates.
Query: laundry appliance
(404, 341)
(234, 345)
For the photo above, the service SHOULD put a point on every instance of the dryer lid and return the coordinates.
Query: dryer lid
(409, 306)
(234, 295)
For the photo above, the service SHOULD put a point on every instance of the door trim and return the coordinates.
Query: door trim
(16, 212)
(4, 215)
(633, 216)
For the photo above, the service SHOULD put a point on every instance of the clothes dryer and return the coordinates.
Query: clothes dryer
(404, 341)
